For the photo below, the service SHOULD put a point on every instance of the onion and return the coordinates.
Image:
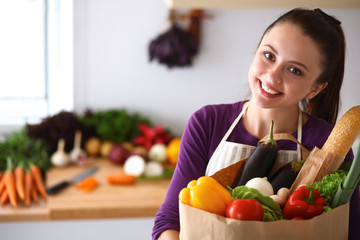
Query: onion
(262, 185)
(118, 154)
(92, 146)
(157, 153)
(154, 169)
(105, 148)
(134, 165)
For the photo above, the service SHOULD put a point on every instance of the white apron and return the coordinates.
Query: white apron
(228, 153)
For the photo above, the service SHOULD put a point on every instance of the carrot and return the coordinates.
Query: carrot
(38, 181)
(28, 187)
(4, 197)
(10, 183)
(121, 178)
(2, 184)
(19, 173)
(34, 195)
(87, 185)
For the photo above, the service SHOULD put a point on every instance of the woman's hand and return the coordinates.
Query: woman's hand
(169, 234)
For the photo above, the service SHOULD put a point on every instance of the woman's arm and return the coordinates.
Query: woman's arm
(202, 134)
(191, 165)
(169, 234)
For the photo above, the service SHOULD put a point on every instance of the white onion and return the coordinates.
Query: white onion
(134, 165)
(262, 185)
(157, 152)
(153, 169)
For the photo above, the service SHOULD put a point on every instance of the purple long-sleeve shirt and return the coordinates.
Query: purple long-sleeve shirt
(202, 134)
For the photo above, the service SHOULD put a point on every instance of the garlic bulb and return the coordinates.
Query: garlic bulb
(78, 155)
(60, 158)
(281, 196)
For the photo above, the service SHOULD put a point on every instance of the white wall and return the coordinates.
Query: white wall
(112, 71)
(112, 68)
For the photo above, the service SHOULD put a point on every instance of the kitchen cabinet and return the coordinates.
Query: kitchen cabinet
(106, 201)
(223, 4)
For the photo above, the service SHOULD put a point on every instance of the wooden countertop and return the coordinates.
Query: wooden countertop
(142, 199)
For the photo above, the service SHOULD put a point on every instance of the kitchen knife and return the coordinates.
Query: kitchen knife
(56, 188)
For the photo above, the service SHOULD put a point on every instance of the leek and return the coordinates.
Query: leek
(351, 182)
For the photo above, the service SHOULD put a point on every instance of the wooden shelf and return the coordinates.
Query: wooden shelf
(223, 4)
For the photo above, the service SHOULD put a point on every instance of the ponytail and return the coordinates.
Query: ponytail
(327, 103)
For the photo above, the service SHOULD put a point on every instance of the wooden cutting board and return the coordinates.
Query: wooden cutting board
(142, 199)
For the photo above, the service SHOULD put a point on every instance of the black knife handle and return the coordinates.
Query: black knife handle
(56, 188)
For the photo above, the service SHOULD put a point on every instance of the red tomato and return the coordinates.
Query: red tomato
(245, 209)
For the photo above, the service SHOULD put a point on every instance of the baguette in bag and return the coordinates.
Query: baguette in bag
(328, 159)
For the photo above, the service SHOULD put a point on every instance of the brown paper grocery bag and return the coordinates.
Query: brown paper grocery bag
(317, 165)
(196, 224)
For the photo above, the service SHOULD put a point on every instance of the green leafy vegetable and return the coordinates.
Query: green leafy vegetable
(115, 125)
(167, 174)
(328, 186)
(272, 210)
(23, 149)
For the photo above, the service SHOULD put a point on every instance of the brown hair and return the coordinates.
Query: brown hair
(327, 33)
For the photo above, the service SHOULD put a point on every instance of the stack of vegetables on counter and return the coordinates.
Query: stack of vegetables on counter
(255, 195)
(115, 134)
(144, 150)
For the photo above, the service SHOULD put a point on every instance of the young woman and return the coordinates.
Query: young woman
(295, 80)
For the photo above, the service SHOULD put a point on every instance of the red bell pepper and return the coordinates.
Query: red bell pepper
(304, 203)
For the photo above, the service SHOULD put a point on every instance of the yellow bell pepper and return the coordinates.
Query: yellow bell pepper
(206, 194)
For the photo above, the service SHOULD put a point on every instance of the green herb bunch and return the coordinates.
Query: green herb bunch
(116, 125)
(23, 149)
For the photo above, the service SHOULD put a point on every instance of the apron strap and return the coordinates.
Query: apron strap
(301, 151)
(226, 136)
(233, 125)
(299, 133)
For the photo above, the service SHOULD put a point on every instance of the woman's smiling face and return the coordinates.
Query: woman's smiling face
(285, 68)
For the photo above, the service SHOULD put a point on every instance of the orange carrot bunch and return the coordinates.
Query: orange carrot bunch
(87, 185)
(21, 184)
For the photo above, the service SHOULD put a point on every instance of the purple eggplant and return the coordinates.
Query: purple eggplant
(286, 175)
(261, 161)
